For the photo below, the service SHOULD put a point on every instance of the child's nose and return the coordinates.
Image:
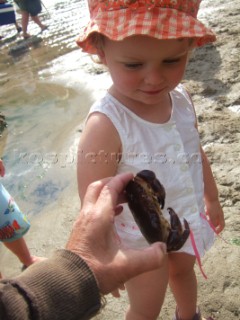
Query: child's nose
(154, 77)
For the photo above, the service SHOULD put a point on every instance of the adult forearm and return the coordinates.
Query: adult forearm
(62, 287)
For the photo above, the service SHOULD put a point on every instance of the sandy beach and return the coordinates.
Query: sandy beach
(213, 79)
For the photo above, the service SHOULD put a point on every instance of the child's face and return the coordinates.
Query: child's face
(145, 69)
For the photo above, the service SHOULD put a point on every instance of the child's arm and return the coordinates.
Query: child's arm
(214, 209)
(98, 152)
(2, 168)
(213, 206)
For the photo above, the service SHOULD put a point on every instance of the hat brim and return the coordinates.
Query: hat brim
(159, 23)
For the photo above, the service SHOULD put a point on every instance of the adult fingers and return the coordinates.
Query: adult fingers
(115, 293)
(118, 210)
(129, 263)
(140, 261)
(112, 190)
(94, 190)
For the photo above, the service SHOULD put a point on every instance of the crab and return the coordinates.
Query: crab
(146, 197)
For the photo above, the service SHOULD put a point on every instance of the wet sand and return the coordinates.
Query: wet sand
(213, 80)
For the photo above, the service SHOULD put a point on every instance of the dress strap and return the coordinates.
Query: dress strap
(206, 218)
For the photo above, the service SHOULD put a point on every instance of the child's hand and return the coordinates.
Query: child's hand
(2, 169)
(216, 215)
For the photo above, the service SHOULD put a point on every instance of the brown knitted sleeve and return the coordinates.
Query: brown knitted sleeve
(61, 287)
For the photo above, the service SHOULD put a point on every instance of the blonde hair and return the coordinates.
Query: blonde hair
(97, 41)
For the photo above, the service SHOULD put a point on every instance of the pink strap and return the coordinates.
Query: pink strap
(205, 217)
(197, 254)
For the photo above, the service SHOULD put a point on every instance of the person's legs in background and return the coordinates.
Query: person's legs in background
(38, 22)
(20, 249)
(18, 27)
(25, 20)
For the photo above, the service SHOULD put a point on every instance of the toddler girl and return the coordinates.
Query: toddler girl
(147, 120)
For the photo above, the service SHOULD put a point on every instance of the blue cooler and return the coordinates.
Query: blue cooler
(7, 14)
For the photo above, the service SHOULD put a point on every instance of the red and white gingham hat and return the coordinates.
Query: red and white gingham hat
(161, 19)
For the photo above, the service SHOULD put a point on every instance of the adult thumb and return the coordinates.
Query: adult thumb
(146, 260)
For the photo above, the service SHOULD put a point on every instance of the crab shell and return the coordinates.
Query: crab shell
(146, 197)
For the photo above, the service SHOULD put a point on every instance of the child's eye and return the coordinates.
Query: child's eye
(132, 65)
(172, 61)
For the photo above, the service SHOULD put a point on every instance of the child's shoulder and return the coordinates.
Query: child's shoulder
(181, 88)
(107, 105)
(183, 92)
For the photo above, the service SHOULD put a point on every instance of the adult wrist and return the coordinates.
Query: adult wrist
(66, 280)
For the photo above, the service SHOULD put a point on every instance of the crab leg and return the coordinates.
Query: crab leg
(177, 236)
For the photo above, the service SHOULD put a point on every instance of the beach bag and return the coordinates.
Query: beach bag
(13, 223)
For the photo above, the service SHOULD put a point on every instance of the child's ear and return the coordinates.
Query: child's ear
(192, 43)
(101, 56)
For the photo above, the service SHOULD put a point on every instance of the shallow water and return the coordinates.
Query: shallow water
(44, 94)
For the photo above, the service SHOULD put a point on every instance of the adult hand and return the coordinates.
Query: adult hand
(95, 240)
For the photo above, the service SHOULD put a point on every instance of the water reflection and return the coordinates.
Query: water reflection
(44, 99)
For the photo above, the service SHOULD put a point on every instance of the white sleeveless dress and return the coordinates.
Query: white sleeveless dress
(172, 151)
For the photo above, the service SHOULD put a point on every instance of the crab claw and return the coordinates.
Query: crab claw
(177, 235)
(150, 177)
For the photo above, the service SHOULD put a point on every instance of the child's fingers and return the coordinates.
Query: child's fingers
(218, 224)
(221, 226)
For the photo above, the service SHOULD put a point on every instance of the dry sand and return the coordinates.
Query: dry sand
(213, 80)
